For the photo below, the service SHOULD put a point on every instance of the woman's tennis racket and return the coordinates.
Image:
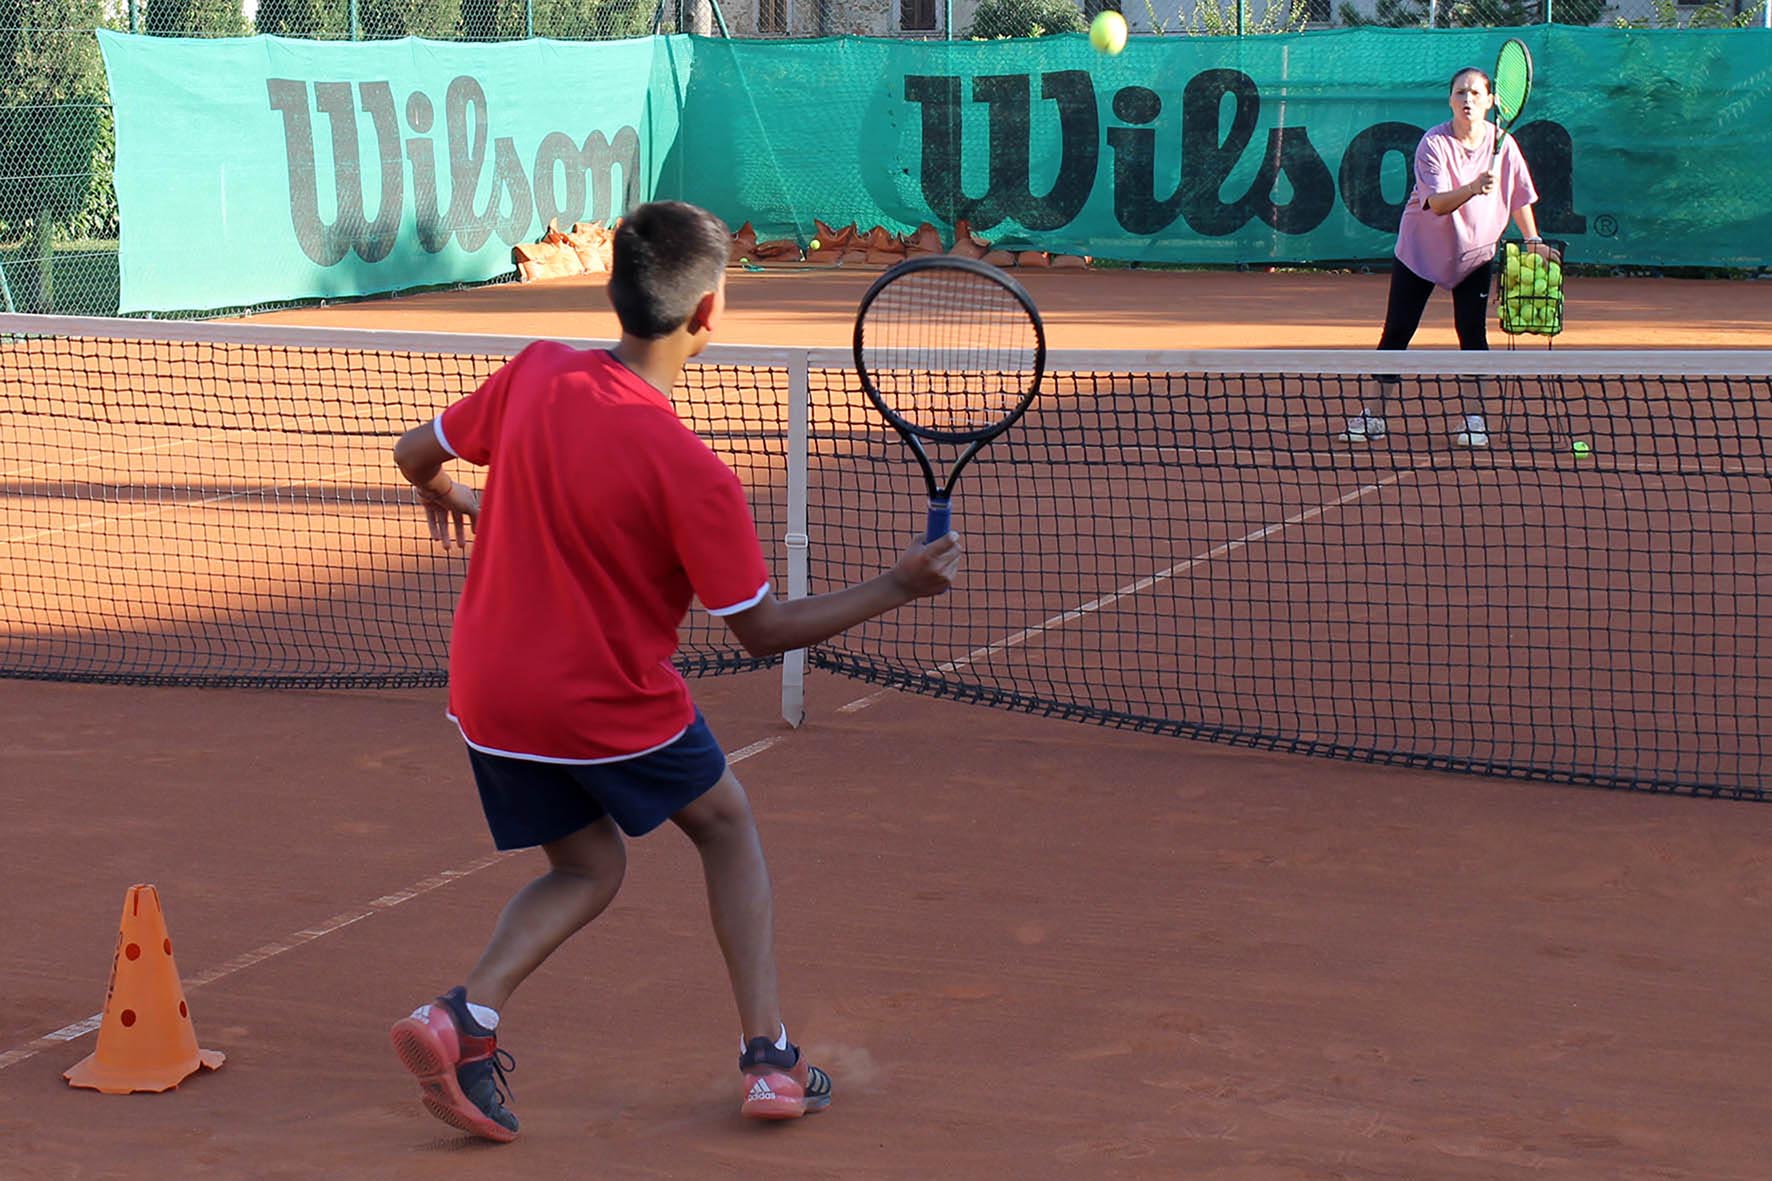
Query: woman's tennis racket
(951, 350)
(1513, 85)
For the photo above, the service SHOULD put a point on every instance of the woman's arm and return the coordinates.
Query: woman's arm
(1444, 203)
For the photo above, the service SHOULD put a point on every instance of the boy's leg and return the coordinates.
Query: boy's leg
(740, 900)
(584, 873)
(455, 1057)
(779, 1082)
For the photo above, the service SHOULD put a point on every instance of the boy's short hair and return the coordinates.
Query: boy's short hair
(1488, 82)
(668, 254)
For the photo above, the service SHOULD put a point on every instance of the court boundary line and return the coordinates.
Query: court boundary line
(165, 508)
(1222, 549)
(338, 922)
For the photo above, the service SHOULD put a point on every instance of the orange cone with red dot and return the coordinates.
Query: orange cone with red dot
(145, 1038)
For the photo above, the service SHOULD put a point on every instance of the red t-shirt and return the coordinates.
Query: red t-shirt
(601, 516)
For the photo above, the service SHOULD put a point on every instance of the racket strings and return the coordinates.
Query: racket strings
(1513, 80)
(949, 352)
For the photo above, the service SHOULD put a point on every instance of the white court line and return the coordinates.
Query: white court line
(1142, 584)
(159, 510)
(100, 456)
(337, 922)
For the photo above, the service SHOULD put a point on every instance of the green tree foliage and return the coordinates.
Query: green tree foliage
(567, 20)
(1026, 18)
(1717, 14)
(1473, 14)
(52, 121)
(390, 19)
(193, 18)
(322, 19)
(1220, 18)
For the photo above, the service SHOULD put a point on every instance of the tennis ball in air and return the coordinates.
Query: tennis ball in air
(815, 244)
(1580, 447)
(1107, 32)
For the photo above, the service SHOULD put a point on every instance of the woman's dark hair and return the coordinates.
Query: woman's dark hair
(668, 254)
(1488, 82)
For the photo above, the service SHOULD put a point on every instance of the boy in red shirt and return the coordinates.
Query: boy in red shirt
(602, 515)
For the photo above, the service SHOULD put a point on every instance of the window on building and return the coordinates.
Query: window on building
(772, 16)
(917, 14)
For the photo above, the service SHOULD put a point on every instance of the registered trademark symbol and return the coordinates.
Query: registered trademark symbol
(1606, 226)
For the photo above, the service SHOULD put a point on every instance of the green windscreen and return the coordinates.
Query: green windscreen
(1513, 79)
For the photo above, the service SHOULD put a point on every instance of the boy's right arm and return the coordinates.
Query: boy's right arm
(420, 457)
(774, 626)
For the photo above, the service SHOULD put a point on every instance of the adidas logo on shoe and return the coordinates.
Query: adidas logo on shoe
(760, 1090)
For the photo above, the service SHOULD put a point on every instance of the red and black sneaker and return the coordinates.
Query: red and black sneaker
(460, 1069)
(780, 1084)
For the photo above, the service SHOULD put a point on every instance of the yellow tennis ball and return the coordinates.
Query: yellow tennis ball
(816, 244)
(1107, 32)
(1581, 447)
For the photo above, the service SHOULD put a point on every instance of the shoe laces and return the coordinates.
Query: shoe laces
(497, 1066)
(502, 1065)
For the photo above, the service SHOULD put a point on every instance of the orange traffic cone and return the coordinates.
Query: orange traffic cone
(145, 1040)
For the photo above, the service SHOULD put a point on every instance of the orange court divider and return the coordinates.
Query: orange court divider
(145, 1038)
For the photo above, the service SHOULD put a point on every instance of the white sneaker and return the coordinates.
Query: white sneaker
(1474, 434)
(1363, 427)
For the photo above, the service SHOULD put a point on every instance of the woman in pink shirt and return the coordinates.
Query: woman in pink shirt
(1456, 215)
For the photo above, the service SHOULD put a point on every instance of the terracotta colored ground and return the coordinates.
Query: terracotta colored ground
(1112, 309)
(1026, 948)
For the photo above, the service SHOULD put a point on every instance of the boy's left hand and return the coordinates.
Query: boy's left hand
(449, 515)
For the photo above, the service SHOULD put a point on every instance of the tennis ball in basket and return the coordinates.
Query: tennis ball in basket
(1580, 447)
(1107, 32)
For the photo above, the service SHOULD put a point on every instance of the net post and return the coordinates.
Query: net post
(797, 542)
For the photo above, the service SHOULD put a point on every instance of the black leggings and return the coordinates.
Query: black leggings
(1409, 296)
(1402, 316)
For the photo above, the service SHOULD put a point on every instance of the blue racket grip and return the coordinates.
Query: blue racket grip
(939, 515)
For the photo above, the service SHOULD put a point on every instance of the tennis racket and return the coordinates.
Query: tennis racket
(950, 350)
(1513, 85)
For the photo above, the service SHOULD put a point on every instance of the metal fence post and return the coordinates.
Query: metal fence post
(134, 18)
(356, 23)
(529, 18)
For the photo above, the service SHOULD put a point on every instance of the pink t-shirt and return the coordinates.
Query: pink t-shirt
(1444, 248)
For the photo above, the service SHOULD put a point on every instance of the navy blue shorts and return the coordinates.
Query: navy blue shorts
(529, 803)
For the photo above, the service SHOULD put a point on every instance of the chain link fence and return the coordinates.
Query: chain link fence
(58, 211)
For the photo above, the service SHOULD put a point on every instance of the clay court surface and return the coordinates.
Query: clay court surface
(1025, 948)
(1107, 309)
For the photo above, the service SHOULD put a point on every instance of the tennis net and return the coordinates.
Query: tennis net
(1168, 542)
